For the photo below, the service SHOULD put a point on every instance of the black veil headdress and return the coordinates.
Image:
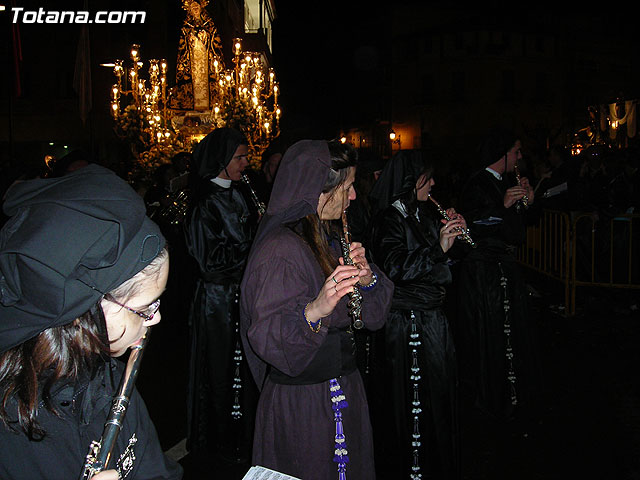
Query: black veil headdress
(398, 178)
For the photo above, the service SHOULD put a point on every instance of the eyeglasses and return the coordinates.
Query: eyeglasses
(153, 308)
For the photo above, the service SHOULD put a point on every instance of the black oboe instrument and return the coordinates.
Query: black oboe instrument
(355, 297)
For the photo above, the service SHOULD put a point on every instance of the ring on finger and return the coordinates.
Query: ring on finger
(334, 279)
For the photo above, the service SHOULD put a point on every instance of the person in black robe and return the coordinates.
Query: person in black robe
(359, 214)
(70, 162)
(370, 167)
(158, 195)
(495, 336)
(413, 372)
(552, 188)
(82, 270)
(262, 180)
(312, 420)
(219, 230)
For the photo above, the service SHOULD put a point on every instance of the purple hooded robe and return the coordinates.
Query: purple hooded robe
(295, 428)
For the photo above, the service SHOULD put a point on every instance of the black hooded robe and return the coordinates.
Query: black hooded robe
(495, 336)
(219, 231)
(413, 380)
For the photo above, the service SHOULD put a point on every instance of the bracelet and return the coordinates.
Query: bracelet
(314, 326)
(371, 284)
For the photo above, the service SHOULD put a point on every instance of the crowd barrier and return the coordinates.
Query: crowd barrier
(582, 250)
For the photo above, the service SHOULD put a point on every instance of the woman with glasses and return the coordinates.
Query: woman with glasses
(81, 273)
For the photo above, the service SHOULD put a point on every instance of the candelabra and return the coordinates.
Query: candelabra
(148, 105)
(145, 120)
(244, 97)
(248, 99)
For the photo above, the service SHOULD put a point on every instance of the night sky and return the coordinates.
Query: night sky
(322, 49)
(332, 57)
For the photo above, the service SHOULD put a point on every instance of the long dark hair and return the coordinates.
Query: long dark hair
(30, 370)
(56, 353)
(316, 232)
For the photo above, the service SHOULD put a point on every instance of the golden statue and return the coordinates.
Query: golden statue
(199, 60)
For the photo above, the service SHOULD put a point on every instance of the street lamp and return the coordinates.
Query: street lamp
(395, 138)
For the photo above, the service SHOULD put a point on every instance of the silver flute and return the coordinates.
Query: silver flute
(262, 208)
(355, 298)
(464, 233)
(100, 451)
(524, 199)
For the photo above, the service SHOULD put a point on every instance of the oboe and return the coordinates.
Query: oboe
(254, 197)
(524, 199)
(100, 451)
(464, 233)
(355, 297)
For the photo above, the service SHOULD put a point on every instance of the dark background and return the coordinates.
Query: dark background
(335, 62)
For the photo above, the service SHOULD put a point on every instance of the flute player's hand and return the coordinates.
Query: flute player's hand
(338, 284)
(358, 255)
(106, 475)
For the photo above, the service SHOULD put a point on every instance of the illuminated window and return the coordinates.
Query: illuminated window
(258, 17)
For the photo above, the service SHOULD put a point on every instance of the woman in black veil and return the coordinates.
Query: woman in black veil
(414, 359)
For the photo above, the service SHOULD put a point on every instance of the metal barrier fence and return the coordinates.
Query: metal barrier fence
(583, 251)
(547, 248)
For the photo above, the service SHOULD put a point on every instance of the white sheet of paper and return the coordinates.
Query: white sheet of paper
(263, 473)
(555, 190)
